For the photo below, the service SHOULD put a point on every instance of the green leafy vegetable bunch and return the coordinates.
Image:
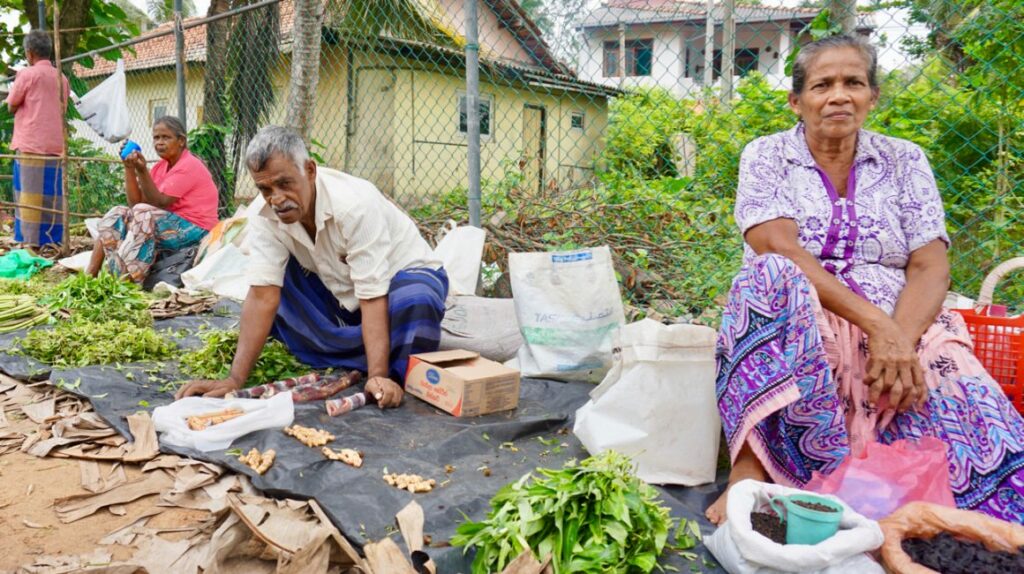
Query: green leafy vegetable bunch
(78, 343)
(592, 516)
(213, 359)
(100, 298)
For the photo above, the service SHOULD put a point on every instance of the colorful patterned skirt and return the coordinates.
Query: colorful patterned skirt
(321, 333)
(790, 384)
(131, 237)
(38, 183)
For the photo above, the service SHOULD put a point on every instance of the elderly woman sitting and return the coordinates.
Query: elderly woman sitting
(170, 207)
(834, 335)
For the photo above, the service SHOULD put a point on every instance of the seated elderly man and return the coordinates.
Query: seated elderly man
(339, 274)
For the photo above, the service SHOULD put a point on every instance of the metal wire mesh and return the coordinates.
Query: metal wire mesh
(601, 122)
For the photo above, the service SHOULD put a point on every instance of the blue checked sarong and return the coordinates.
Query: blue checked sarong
(38, 183)
(321, 333)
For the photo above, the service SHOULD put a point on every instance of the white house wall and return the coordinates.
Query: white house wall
(669, 62)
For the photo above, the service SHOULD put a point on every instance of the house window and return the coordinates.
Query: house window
(157, 109)
(486, 105)
(576, 120)
(745, 61)
(639, 58)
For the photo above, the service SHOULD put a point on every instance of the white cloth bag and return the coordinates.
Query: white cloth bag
(568, 305)
(657, 404)
(741, 550)
(461, 249)
(105, 107)
(276, 412)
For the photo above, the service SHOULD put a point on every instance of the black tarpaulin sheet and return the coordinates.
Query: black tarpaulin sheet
(485, 453)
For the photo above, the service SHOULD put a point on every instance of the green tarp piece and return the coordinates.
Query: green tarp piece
(20, 264)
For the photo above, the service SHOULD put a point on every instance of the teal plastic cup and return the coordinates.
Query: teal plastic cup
(806, 525)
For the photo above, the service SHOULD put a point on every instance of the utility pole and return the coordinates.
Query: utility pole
(41, 8)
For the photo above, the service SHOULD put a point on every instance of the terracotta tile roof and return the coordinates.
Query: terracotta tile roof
(158, 51)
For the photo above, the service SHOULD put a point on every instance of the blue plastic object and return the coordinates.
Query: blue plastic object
(129, 147)
(805, 525)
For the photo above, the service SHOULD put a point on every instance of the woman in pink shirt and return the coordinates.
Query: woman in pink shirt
(170, 207)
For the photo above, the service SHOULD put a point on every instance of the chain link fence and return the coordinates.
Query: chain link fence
(613, 122)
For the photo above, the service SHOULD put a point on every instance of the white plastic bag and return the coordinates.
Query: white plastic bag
(568, 305)
(222, 273)
(461, 250)
(275, 412)
(741, 550)
(105, 107)
(657, 404)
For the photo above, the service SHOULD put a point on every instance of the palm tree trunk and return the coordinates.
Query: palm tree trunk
(301, 103)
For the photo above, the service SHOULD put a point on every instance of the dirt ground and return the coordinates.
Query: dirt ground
(30, 527)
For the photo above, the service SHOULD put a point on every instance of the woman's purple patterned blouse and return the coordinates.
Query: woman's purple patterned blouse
(892, 207)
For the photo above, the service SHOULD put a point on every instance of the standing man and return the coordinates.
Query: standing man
(338, 273)
(38, 109)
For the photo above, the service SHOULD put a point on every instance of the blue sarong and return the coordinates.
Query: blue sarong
(321, 333)
(38, 183)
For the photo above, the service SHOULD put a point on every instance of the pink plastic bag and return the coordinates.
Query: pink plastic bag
(885, 477)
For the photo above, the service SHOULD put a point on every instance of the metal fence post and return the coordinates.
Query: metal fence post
(709, 44)
(41, 7)
(179, 67)
(473, 111)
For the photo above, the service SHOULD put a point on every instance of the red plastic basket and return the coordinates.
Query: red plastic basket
(999, 341)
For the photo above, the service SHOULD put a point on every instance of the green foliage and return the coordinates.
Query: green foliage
(93, 186)
(213, 360)
(100, 298)
(820, 27)
(593, 516)
(640, 130)
(81, 343)
(207, 143)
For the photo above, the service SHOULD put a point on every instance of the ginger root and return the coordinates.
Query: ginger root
(309, 436)
(414, 483)
(257, 461)
(346, 455)
(205, 421)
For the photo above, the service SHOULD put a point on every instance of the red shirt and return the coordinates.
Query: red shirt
(38, 110)
(192, 184)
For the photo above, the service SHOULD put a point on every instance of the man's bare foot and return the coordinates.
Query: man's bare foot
(746, 466)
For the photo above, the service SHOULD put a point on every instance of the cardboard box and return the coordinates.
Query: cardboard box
(462, 383)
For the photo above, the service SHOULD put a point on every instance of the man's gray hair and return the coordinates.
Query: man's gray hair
(39, 43)
(275, 140)
(808, 53)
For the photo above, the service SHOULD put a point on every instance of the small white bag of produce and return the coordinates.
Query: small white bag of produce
(173, 420)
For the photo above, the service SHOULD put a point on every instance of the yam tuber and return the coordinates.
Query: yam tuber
(309, 436)
(414, 483)
(260, 462)
(348, 456)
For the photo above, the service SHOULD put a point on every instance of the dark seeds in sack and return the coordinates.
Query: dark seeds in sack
(947, 555)
(769, 525)
(814, 506)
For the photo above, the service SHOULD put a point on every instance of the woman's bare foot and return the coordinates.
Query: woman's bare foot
(746, 466)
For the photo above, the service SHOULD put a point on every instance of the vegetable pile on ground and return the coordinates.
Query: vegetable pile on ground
(80, 343)
(20, 312)
(593, 516)
(948, 555)
(213, 360)
(100, 298)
